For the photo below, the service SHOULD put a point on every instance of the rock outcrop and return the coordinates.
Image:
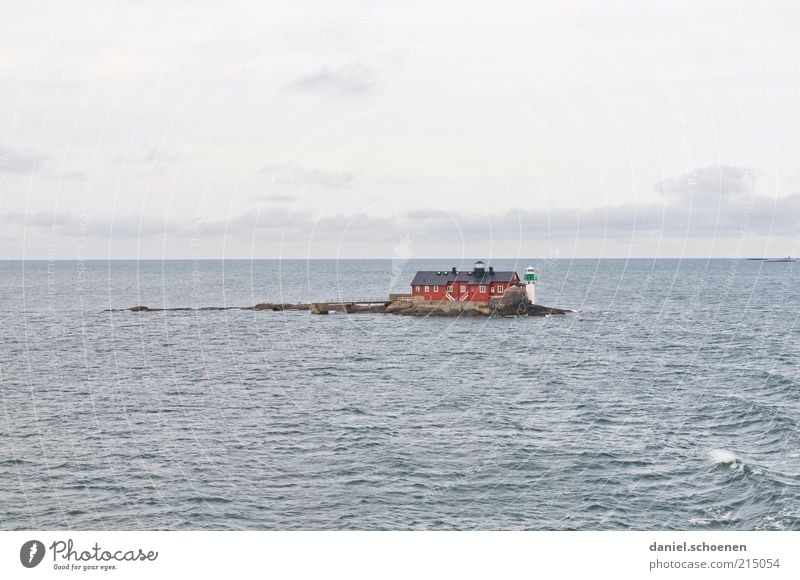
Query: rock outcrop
(399, 306)
(513, 303)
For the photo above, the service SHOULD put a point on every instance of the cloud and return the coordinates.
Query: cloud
(303, 177)
(761, 216)
(709, 185)
(734, 211)
(29, 162)
(71, 225)
(156, 158)
(21, 162)
(156, 155)
(350, 79)
(287, 225)
(708, 202)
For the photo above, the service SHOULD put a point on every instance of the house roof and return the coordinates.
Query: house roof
(443, 278)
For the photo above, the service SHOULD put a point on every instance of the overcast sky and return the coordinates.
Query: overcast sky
(171, 129)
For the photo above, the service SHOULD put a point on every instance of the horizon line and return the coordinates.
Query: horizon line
(392, 258)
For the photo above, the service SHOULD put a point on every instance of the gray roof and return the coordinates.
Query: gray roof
(445, 277)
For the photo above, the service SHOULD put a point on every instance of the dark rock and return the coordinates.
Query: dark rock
(513, 303)
(279, 307)
(536, 310)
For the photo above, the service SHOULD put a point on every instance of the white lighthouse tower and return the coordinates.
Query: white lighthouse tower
(530, 284)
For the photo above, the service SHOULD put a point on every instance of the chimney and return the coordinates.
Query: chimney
(453, 270)
(491, 269)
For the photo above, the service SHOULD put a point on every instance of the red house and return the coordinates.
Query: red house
(477, 285)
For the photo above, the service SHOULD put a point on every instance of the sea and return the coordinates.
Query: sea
(668, 400)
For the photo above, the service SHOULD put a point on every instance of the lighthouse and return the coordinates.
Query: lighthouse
(530, 284)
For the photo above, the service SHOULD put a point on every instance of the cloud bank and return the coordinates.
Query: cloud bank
(711, 202)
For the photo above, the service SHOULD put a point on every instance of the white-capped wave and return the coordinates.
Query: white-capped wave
(723, 457)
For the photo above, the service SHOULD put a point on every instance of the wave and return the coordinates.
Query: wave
(722, 457)
(714, 518)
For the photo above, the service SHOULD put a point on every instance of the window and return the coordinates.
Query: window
(435, 288)
(463, 288)
(482, 289)
(449, 288)
(417, 287)
(491, 290)
(499, 289)
(427, 288)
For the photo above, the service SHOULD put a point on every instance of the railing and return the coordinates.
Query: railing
(355, 301)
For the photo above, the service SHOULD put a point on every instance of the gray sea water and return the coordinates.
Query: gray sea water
(669, 400)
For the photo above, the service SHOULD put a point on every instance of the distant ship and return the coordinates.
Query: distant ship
(786, 259)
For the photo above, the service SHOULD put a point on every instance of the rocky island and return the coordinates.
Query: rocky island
(513, 303)
(478, 292)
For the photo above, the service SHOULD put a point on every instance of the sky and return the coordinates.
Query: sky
(176, 129)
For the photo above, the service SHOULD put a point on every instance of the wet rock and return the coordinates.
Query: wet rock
(278, 307)
(536, 310)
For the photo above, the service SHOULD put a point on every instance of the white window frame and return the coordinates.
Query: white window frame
(463, 288)
(435, 288)
(491, 290)
(427, 288)
(500, 289)
(482, 289)
(449, 288)
(417, 287)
